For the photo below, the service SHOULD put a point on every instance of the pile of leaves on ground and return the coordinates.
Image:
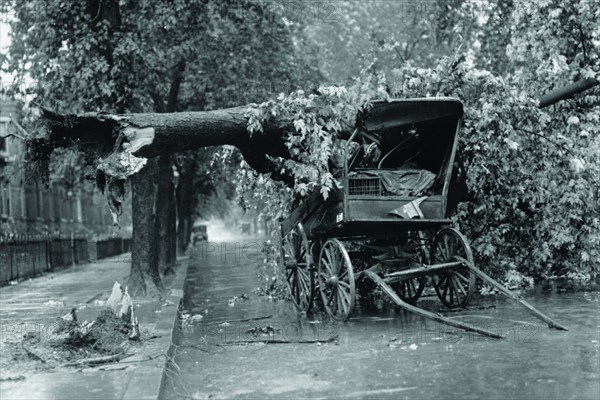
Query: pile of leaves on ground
(271, 276)
(73, 343)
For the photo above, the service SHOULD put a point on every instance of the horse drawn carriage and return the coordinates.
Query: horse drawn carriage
(389, 221)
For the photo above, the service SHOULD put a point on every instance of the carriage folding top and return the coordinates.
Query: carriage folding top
(401, 159)
(389, 222)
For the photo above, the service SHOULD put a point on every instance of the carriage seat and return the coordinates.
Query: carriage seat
(399, 182)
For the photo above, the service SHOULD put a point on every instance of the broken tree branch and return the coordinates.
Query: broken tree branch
(568, 91)
(245, 319)
(98, 360)
(281, 341)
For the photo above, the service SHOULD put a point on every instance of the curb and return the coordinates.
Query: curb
(147, 381)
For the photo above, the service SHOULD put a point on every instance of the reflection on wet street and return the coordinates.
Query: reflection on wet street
(378, 354)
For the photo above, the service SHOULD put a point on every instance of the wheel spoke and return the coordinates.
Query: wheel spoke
(461, 276)
(327, 267)
(334, 305)
(328, 255)
(338, 298)
(343, 274)
(344, 284)
(452, 246)
(302, 282)
(341, 262)
(342, 302)
(412, 288)
(446, 248)
(330, 297)
(441, 251)
(459, 286)
(445, 287)
(452, 290)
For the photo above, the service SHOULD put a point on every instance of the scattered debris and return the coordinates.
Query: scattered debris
(73, 342)
(278, 341)
(34, 354)
(187, 319)
(115, 297)
(95, 299)
(54, 303)
(235, 299)
(264, 330)
(16, 378)
(231, 321)
(98, 360)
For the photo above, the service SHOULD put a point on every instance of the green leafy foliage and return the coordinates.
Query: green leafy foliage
(533, 174)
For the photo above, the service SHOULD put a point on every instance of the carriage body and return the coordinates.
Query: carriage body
(390, 216)
(422, 132)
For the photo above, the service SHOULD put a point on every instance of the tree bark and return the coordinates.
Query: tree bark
(144, 278)
(184, 192)
(165, 210)
(154, 134)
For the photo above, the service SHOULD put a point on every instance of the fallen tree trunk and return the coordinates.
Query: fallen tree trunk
(153, 134)
(119, 145)
(568, 91)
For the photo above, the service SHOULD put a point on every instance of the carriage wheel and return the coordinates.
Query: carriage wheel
(336, 280)
(296, 258)
(411, 289)
(453, 287)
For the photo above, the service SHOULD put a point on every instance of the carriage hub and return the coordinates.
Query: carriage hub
(333, 280)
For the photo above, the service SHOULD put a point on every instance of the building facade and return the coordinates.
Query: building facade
(28, 207)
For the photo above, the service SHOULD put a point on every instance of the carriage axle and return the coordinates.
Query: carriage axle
(421, 271)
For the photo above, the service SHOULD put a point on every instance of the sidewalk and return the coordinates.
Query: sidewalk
(33, 306)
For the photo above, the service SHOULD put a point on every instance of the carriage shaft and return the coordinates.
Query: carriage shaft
(425, 270)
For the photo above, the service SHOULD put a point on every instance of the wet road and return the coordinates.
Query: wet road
(378, 354)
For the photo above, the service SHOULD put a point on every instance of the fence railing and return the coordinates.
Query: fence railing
(25, 256)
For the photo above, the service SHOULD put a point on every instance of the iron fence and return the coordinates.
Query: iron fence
(26, 256)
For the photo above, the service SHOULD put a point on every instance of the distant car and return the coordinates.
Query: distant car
(199, 233)
(246, 227)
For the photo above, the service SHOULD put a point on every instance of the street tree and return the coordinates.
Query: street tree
(151, 56)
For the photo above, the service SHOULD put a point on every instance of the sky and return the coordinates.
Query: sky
(4, 42)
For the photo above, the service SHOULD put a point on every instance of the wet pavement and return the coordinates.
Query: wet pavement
(31, 308)
(376, 354)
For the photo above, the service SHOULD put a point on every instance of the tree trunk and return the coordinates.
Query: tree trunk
(185, 191)
(165, 209)
(144, 279)
(109, 138)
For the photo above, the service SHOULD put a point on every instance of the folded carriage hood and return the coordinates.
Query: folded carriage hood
(399, 112)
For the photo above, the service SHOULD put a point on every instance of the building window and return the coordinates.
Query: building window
(4, 200)
(3, 131)
(3, 145)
